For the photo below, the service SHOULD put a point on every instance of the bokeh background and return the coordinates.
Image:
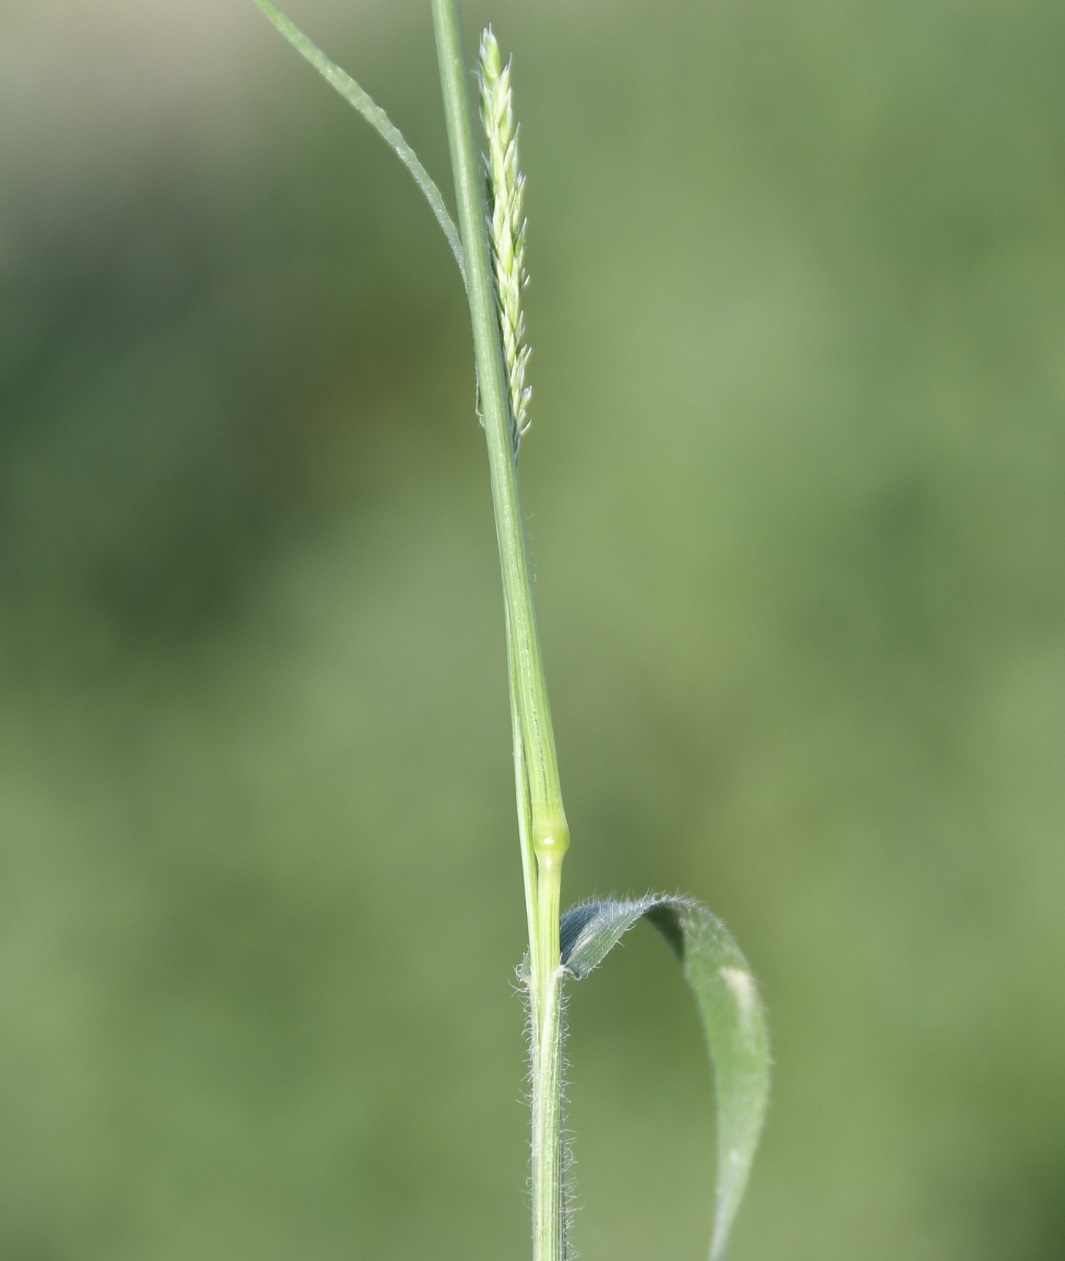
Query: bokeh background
(796, 487)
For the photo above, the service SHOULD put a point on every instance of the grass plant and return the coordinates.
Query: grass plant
(488, 243)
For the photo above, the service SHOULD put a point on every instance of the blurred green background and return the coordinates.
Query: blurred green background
(796, 486)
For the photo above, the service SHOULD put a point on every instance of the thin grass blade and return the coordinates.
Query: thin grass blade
(730, 1009)
(375, 116)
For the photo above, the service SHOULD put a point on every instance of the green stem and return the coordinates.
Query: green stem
(548, 833)
(521, 794)
(542, 820)
(548, 1153)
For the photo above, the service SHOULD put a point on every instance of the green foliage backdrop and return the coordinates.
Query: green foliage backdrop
(796, 481)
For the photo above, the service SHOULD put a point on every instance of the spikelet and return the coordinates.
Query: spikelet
(506, 223)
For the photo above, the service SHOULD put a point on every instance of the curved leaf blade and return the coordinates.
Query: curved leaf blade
(729, 1007)
(375, 116)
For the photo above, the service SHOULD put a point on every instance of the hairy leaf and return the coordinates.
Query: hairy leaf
(729, 1007)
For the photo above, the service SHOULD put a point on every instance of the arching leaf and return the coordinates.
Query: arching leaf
(375, 116)
(731, 1013)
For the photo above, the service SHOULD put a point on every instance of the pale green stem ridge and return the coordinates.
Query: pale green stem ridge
(542, 820)
(521, 795)
(375, 116)
(506, 222)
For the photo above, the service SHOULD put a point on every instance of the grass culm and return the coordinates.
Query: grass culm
(487, 238)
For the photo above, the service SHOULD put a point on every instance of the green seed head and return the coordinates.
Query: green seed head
(506, 223)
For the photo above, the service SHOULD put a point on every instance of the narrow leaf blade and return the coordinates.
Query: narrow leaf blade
(375, 116)
(729, 1007)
